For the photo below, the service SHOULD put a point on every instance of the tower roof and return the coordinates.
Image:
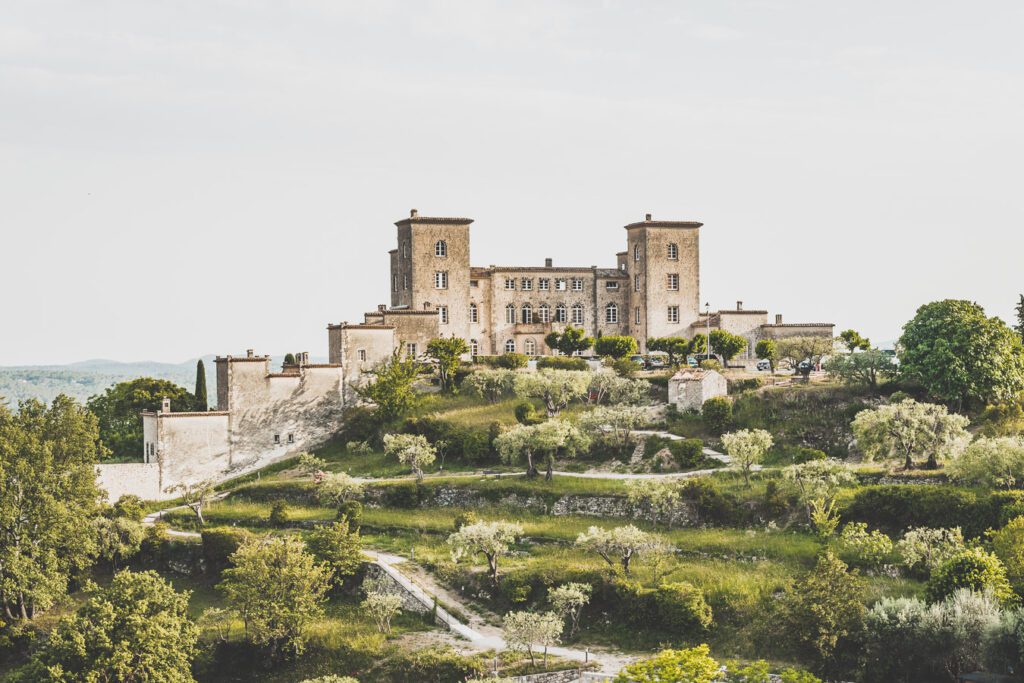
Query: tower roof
(415, 218)
(649, 222)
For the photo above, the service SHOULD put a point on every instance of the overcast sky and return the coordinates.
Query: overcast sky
(182, 178)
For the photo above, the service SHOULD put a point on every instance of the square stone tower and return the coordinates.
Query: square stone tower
(430, 270)
(663, 262)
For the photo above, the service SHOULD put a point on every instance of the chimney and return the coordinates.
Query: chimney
(426, 306)
(249, 353)
(413, 213)
(548, 262)
(647, 217)
(382, 307)
(778, 318)
(739, 305)
(303, 358)
(165, 405)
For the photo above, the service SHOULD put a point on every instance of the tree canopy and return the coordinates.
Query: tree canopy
(202, 403)
(726, 344)
(908, 430)
(557, 388)
(959, 355)
(569, 341)
(493, 540)
(412, 450)
(865, 368)
(447, 352)
(615, 346)
(852, 340)
(118, 408)
(391, 385)
(675, 347)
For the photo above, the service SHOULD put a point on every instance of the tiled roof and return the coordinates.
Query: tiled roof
(664, 224)
(434, 220)
(209, 413)
(799, 325)
(240, 359)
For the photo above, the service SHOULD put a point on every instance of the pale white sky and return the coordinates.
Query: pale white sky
(181, 178)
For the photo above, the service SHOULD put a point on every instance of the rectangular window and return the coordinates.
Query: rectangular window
(577, 284)
(443, 311)
(291, 438)
(474, 283)
(405, 282)
(611, 284)
(441, 279)
(510, 283)
(673, 251)
(673, 282)
(673, 314)
(394, 283)
(636, 315)
(277, 438)
(577, 315)
(544, 284)
(410, 350)
(362, 354)
(560, 284)
(636, 283)
(474, 313)
(527, 284)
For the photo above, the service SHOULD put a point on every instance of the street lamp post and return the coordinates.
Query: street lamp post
(707, 317)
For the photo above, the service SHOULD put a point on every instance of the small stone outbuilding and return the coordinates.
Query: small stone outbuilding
(690, 387)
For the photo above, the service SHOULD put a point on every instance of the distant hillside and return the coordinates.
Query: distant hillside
(90, 377)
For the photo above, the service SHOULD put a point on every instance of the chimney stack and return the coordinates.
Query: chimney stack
(778, 318)
(249, 353)
(382, 307)
(548, 262)
(739, 305)
(647, 217)
(303, 358)
(165, 405)
(413, 213)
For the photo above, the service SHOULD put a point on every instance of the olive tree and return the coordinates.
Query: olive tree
(546, 439)
(381, 604)
(493, 540)
(746, 448)
(864, 369)
(607, 385)
(819, 480)
(338, 488)
(614, 424)
(795, 350)
(660, 496)
(557, 388)
(412, 450)
(195, 495)
(910, 430)
(618, 546)
(526, 630)
(490, 383)
(990, 463)
(924, 549)
(568, 601)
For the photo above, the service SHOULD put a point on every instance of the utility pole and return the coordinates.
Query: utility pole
(707, 316)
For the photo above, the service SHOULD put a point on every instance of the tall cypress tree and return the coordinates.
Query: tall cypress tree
(201, 402)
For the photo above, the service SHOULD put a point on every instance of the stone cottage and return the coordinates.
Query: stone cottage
(690, 387)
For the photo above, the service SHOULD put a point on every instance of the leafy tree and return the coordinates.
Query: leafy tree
(547, 439)
(447, 353)
(767, 349)
(990, 463)
(909, 430)
(117, 538)
(861, 368)
(278, 516)
(615, 346)
(795, 350)
(862, 547)
(717, 413)
(1019, 327)
(961, 356)
(412, 450)
(924, 549)
(277, 588)
(130, 507)
(338, 547)
(819, 480)
(659, 495)
(202, 403)
(136, 629)
(525, 630)
(675, 347)
(490, 384)
(615, 424)
(821, 609)
(616, 389)
(338, 488)
(48, 495)
(973, 569)
(1008, 546)
(617, 546)
(726, 344)
(557, 388)
(852, 340)
(392, 386)
(381, 604)
(118, 408)
(568, 601)
(683, 610)
(693, 665)
(746, 448)
(289, 359)
(571, 341)
(493, 540)
(195, 495)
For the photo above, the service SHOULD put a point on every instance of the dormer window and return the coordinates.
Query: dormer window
(441, 249)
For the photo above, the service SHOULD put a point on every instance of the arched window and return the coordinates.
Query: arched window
(544, 313)
(440, 248)
(611, 313)
(530, 347)
(527, 314)
(560, 313)
(510, 314)
(636, 252)
(577, 314)
(510, 346)
(474, 315)
(474, 348)
(673, 251)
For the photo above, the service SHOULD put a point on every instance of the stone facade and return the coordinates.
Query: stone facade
(690, 387)
(754, 326)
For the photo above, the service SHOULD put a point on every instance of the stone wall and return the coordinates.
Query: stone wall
(567, 676)
(137, 478)
(387, 582)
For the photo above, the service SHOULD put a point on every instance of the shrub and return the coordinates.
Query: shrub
(717, 414)
(130, 507)
(218, 545)
(712, 505)
(624, 367)
(711, 364)
(562, 363)
(973, 569)
(896, 508)
(864, 548)
(1008, 545)
(688, 453)
(278, 514)
(923, 550)
(526, 414)
(802, 454)
(512, 361)
(615, 346)
(465, 518)
(352, 512)
(682, 610)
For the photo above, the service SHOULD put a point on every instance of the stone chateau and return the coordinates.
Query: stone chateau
(265, 414)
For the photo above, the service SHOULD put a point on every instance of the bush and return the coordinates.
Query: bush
(864, 548)
(895, 508)
(218, 545)
(465, 518)
(278, 514)
(130, 507)
(711, 364)
(974, 569)
(512, 361)
(352, 512)
(802, 454)
(712, 505)
(562, 363)
(615, 346)
(464, 443)
(526, 414)
(688, 453)
(682, 610)
(624, 367)
(717, 414)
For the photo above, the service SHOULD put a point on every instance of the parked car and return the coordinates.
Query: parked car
(656, 363)
(764, 365)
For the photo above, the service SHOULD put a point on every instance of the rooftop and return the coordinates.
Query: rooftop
(649, 222)
(416, 218)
